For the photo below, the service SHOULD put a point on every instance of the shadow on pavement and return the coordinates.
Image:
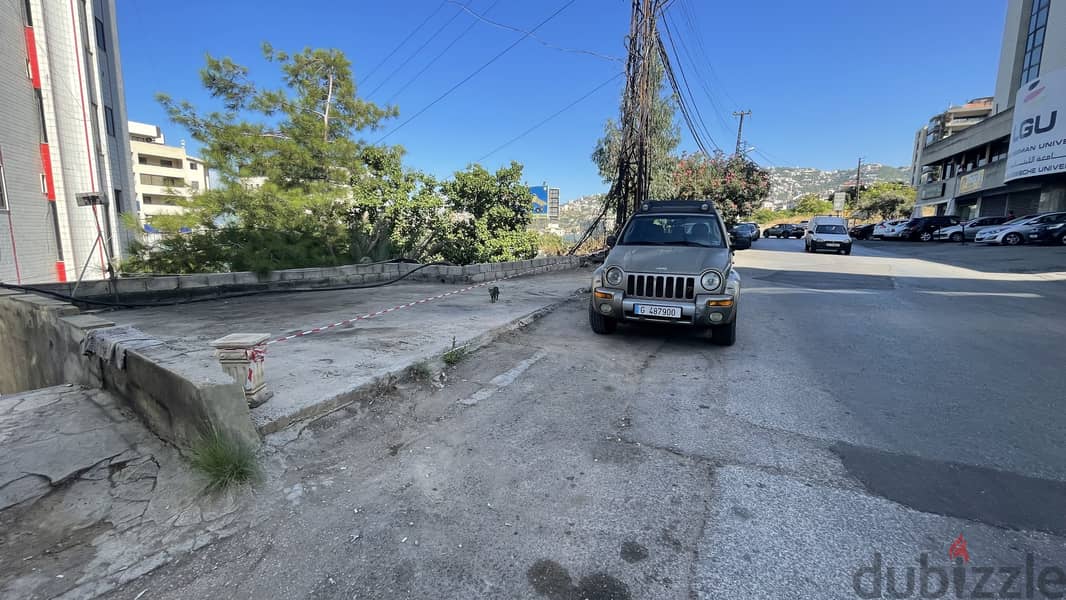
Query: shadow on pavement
(979, 257)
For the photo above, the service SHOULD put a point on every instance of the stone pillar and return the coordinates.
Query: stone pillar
(242, 356)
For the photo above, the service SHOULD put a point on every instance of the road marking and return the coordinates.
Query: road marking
(999, 294)
(503, 379)
(384, 311)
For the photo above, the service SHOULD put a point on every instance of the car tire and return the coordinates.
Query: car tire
(1013, 239)
(1062, 239)
(601, 324)
(956, 237)
(724, 335)
(925, 236)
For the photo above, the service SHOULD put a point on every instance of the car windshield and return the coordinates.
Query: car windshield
(674, 230)
(830, 229)
(1022, 219)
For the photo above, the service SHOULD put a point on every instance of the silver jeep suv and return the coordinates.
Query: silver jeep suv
(672, 263)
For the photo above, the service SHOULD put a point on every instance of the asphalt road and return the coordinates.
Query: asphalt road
(875, 407)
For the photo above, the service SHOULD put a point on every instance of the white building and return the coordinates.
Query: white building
(1007, 163)
(62, 137)
(162, 174)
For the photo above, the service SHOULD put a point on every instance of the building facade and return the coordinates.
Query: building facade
(163, 175)
(954, 120)
(980, 171)
(64, 149)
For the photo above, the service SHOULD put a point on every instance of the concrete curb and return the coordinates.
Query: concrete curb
(370, 389)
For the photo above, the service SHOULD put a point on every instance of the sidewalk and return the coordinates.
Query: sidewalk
(317, 372)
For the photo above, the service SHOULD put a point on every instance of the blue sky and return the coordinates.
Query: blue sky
(827, 81)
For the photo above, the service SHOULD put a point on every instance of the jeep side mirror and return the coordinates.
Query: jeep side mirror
(611, 241)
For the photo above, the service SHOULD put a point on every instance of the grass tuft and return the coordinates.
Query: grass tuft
(420, 371)
(454, 356)
(225, 460)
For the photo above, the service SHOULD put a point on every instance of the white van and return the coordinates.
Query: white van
(827, 233)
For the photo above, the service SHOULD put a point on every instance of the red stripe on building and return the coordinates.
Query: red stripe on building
(61, 271)
(46, 168)
(31, 56)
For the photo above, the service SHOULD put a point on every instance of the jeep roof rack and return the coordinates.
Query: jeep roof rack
(678, 206)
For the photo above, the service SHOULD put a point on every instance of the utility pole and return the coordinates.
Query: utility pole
(740, 127)
(858, 179)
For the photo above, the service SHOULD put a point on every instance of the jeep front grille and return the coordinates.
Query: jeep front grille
(661, 286)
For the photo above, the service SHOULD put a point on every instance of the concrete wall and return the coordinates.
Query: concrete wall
(176, 398)
(147, 289)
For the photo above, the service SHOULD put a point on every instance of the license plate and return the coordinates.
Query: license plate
(832, 245)
(651, 310)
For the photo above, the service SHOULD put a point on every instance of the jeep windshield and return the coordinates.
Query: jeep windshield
(674, 230)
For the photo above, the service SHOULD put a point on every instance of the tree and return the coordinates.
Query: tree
(886, 199)
(734, 183)
(493, 214)
(811, 204)
(663, 143)
(328, 198)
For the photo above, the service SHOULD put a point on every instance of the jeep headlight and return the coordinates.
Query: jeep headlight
(614, 276)
(711, 280)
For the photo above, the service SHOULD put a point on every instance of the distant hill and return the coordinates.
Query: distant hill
(789, 183)
(786, 185)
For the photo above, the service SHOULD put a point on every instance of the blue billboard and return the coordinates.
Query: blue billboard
(540, 199)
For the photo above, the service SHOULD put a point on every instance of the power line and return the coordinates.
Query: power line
(693, 124)
(404, 40)
(476, 71)
(438, 56)
(690, 17)
(549, 118)
(415, 53)
(715, 105)
(534, 37)
(684, 79)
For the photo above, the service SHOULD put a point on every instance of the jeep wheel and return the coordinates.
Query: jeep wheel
(956, 237)
(724, 335)
(601, 324)
(1013, 239)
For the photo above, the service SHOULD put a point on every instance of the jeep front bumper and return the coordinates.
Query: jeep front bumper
(707, 309)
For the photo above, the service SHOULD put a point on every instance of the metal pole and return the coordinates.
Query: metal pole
(740, 127)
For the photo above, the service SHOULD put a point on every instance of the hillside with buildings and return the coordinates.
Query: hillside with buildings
(787, 184)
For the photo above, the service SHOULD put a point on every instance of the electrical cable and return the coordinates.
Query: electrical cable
(404, 40)
(438, 55)
(549, 118)
(474, 73)
(109, 304)
(415, 53)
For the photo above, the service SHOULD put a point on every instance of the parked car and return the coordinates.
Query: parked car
(755, 227)
(1011, 233)
(747, 230)
(775, 230)
(970, 228)
(889, 229)
(798, 229)
(671, 264)
(862, 232)
(924, 228)
(1049, 231)
(827, 233)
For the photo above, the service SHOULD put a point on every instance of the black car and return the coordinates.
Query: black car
(747, 230)
(798, 230)
(1049, 230)
(778, 231)
(924, 228)
(862, 232)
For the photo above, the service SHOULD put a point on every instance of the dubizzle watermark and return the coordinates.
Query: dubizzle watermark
(958, 579)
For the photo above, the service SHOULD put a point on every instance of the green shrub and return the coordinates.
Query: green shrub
(225, 460)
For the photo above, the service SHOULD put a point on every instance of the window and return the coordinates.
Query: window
(40, 116)
(3, 188)
(192, 165)
(162, 180)
(109, 121)
(118, 200)
(195, 185)
(142, 159)
(163, 162)
(101, 40)
(1034, 41)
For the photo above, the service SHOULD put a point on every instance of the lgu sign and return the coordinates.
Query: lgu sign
(1038, 138)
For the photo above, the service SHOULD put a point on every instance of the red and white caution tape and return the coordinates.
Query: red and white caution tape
(394, 308)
